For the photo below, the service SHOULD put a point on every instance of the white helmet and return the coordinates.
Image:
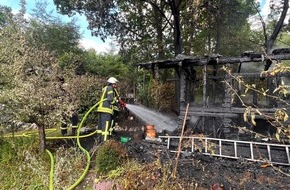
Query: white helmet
(112, 80)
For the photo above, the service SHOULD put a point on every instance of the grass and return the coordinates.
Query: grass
(17, 166)
(23, 167)
(134, 175)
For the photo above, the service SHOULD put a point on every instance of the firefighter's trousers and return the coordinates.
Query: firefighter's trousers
(104, 124)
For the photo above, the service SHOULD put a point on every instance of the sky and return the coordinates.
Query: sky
(264, 6)
(87, 40)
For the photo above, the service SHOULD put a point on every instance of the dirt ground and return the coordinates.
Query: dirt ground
(198, 171)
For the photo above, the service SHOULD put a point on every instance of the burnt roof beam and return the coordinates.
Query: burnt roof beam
(196, 61)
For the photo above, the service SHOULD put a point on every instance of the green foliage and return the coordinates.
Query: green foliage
(30, 86)
(156, 93)
(264, 97)
(148, 30)
(51, 32)
(66, 60)
(10, 148)
(34, 88)
(223, 28)
(105, 65)
(7, 152)
(16, 168)
(153, 175)
(110, 155)
(162, 95)
(55, 37)
(73, 62)
(81, 93)
(284, 40)
(145, 32)
(143, 83)
(69, 165)
(5, 15)
(93, 64)
(22, 167)
(97, 12)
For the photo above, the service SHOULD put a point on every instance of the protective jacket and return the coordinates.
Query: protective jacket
(116, 106)
(107, 100)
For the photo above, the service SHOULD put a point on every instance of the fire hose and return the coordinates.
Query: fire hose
(82, 148)
(78, 136)
(29, 134)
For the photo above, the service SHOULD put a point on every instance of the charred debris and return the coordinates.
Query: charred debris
(215, 112)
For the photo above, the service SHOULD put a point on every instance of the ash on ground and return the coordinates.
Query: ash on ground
(198, 170)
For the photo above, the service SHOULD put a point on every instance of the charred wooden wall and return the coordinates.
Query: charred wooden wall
(210, 114)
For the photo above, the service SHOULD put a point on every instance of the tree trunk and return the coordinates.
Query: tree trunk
(269, 43)
(174, 4)
(159, 31)
(218, 22)
(42, 139)
(278, 27)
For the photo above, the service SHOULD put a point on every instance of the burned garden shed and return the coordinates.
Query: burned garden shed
(216, 109)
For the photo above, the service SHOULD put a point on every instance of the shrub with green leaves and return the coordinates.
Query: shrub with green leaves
(110, 155)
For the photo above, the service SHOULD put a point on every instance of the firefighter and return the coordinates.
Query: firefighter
(105, 108)
(117, 107)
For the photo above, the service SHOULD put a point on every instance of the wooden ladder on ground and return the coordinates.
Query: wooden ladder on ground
(278, 154)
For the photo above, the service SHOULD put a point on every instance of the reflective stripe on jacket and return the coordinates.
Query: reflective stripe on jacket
(116, 98)
(107, 100)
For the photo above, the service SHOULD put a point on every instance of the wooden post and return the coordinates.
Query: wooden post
(180, 141)
(204, 97)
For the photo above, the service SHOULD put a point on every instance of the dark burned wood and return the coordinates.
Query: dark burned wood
(210, 118)
(210, 114)
(223, 110)
(262, 110)
(218, 112)
(258, 75)
(248, 76)
(202, 109)
(187, 61)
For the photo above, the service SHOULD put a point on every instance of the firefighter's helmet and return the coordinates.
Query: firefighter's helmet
(112, 80)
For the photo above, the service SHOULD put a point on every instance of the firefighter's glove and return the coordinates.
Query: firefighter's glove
(122, 104)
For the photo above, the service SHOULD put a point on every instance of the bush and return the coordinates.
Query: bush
(109, 156)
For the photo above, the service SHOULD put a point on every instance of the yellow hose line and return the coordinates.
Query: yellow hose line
(51, 174)
(74, 137)
(21, 135)
(29, 134)
(83, 149)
